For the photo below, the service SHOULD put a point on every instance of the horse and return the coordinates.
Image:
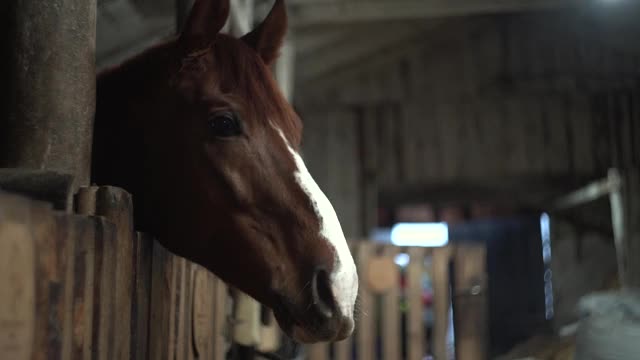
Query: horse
(197, 130)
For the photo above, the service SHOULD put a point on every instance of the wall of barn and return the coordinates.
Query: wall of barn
(549, 95)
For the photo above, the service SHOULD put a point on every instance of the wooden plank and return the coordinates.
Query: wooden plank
(54, 254)
(365, 327)
(556, 152)
(391, 342)
(203, 320)
(533, 126)
(319, 351)
(470, 304)
(17, 279)
(67, 240)
(341, 12)
(85, 200)
(343, 349)
(161, 306)
(104, 291)
(220, 311)
(441, 301)
(515, 136)
(415, 314)
(369, 167)
(581, 126)
(141, 296)
(116, 205)
(83, 283)
(181, 310)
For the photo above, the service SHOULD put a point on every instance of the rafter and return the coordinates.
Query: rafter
(357, 45)
(319, 12)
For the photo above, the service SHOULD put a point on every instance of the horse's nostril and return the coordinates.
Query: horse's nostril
(322, 295)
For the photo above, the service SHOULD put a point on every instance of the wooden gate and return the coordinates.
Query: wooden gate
(395, 321)
(86, 286)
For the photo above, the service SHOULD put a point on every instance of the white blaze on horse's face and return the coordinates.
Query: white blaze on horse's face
(344, 278)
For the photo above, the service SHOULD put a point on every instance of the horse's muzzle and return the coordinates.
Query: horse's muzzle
(320, 319)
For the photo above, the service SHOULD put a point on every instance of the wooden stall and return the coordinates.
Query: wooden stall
(86, 286)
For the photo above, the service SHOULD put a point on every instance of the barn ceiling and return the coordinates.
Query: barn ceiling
(325, 34)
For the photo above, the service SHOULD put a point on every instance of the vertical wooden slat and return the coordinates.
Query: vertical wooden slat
(220, 318)
(162, 279)
(116, 205)
(173, 304)
(581, 125)
(43, 226)
(83, 269)
(441, 301)
(67, 240)
(203, 320)
(17, 280)
(391, 342)
(343, 349)
(189, 353)
(319, 351)
(365, 331)
(369, 169)
(104, 291)
(182, 291)
(143, 249)
(85, 200)
(471, 301)
(415, 315)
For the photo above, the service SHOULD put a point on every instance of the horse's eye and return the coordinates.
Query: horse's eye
(224, 124)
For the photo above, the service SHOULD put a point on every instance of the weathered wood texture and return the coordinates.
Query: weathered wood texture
(380, 332)
(495, 97)
(47, 113)
(87, 287)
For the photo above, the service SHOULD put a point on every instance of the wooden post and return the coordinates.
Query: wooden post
(471, 302)
(625, 217)
(47, 117)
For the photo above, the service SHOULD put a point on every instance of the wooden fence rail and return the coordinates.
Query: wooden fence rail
(86, 286)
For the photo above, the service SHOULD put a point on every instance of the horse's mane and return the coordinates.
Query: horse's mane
(235, 63)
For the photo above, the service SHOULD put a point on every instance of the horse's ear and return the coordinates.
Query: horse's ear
(268, 37)
(206, 19)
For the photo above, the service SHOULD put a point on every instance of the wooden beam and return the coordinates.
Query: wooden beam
(359, 45)
(311, 13)
(590, 192)
(526, 190)
(419, 41)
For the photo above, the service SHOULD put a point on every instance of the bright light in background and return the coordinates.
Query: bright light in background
(545, 234)
(402, 259)
(420, 234)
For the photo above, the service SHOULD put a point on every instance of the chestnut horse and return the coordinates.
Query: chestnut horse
(198, 132)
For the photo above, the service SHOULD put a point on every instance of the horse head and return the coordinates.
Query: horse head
(224, 179)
